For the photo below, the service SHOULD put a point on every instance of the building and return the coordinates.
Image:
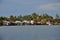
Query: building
(18, 22)
(48, 23)
(32, 22)
(26, 22)
(6, 22)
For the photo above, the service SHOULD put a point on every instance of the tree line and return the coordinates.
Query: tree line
(33, 16)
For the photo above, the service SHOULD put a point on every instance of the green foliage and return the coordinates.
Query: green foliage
(34, 16)
(27, 17)
(12, 18)
(57, 16)
(1, 22)
(19, 18)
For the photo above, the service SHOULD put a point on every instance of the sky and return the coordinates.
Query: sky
(26, 7)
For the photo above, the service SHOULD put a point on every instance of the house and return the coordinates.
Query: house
(26, 22)
(18, 22)
(6, 22)
(32, 22)
(48, 23)
(38, 23)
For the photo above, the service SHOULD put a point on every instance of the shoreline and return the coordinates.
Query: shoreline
(25, 25)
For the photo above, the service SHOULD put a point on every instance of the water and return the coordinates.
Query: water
(36, 32)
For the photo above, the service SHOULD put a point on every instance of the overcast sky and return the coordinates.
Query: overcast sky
(25, 7)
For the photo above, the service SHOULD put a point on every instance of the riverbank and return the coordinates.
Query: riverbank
(28, 25)
(33, 19)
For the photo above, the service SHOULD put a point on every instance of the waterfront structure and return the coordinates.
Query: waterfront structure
(48, 23)
(18, 22)
(26, 22)
(6, 22)
(32, 22)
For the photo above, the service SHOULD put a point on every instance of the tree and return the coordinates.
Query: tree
(34, 16)
(57, 16)
(1, 22)
(57, 19)
(3, 18)
(12, 18)
(19, 18)
(27, 17)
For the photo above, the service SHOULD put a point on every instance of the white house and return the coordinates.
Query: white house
(26, 22)
(49, 23)
(17, 21)
(6, 22)
(32, 22)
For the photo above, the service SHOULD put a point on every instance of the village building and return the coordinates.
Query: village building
(18, 22)
(32, 22)
(26, 22)
(38, 23)
(48, 23)
(6, 22)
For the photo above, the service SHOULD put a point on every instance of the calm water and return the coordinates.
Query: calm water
(39, 32)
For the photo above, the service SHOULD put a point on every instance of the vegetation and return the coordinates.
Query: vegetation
(1, 22)
(35, 17)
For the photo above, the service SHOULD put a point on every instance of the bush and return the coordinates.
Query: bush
(1, 22)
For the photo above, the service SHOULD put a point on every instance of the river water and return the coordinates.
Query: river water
(33, 32)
